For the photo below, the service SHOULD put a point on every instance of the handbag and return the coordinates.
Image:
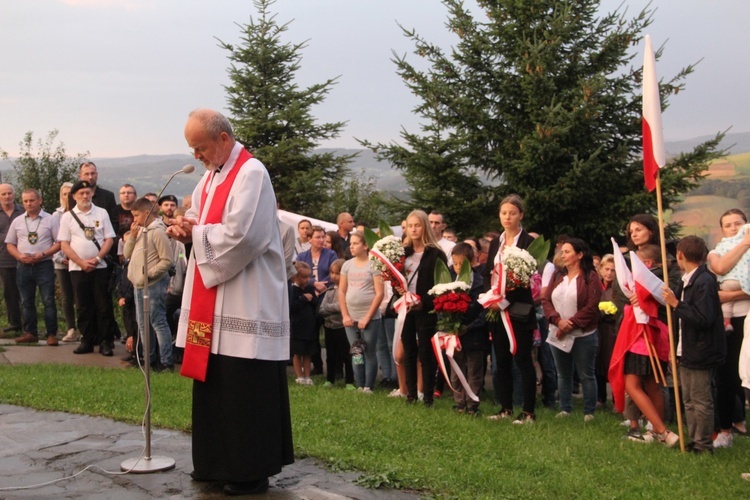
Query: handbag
(522, 314)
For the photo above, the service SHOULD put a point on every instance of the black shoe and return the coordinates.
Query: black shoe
(105, 348)
(128, 358)
(247, 488)
(163, 368)
(84, 348)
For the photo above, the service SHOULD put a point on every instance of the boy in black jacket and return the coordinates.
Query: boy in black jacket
(702, 345)
(474, 340)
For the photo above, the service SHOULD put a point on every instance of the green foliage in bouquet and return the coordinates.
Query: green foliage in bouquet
(539, 249)
(371, 237)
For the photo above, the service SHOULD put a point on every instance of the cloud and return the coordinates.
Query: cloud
(123, 4)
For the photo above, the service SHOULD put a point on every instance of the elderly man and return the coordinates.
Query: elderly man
(31, 241)
(10, 210)
(86, 236)
(235, 314)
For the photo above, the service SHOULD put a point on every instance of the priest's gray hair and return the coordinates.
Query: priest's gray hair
(214, 122)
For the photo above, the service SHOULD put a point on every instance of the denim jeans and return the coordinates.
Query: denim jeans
(28, 278)
(365, 375)
(385, 348)
(583, 356)
(158, 315)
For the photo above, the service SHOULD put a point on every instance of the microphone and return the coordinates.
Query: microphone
(187, 169)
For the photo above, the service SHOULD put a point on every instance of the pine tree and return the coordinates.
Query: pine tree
(44, 169)
(272, 116)
(541, 97)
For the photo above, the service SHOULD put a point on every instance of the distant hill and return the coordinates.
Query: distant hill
(150, 172)
(738, 142)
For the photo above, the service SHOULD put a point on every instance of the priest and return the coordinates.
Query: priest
(234, 323)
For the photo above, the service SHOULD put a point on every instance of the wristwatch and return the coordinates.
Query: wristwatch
(98, 259)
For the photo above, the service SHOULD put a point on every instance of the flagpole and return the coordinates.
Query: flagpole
(672, 351)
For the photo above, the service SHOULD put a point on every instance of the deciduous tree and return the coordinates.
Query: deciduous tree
(44, 167)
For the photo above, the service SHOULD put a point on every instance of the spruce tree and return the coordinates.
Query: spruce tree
(543, 97)
(272, 116)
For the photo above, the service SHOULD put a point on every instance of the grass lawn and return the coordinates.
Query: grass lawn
(432, 450)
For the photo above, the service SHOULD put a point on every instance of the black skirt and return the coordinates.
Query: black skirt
(242, 428)
(638, 364)
(301, 347)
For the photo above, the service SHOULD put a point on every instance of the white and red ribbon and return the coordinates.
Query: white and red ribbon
(450, 343)
(402, 305)
(496, 295)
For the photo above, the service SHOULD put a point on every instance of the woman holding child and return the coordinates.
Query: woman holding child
(729, 260)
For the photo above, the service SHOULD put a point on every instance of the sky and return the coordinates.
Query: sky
(118, 77)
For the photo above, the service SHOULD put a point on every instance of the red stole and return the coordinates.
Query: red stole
(203, 300)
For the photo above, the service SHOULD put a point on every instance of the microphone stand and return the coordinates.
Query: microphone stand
(145, 463)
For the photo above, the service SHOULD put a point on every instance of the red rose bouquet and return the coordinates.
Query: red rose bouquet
(451, 303)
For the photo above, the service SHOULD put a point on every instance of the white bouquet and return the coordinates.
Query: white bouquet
(519, 266)
(392, 249)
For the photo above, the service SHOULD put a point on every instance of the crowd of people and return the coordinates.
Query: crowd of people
(93, 248)
(574, 329)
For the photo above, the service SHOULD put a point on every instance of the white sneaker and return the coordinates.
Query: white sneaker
(396, 393)
(71, 336)
(300, 381)
(420, 396)
(562, 414)
(588, 418)
(724, 440)
(649, 426)
(365, 390)
(309, 381)
(669, 438)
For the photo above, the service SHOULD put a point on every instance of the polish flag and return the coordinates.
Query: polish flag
(647, 287)
(654, 157)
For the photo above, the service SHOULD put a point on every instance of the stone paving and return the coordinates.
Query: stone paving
(38, 447)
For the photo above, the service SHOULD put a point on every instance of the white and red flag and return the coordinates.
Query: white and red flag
(654, 157)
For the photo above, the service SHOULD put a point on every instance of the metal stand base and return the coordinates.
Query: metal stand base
(145, 465)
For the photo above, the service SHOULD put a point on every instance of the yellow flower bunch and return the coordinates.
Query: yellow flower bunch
(608, 307)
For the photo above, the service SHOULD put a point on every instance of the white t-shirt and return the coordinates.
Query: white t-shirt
(98, 227)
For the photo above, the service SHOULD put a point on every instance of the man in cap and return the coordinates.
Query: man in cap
(86, 236)
(167, 205)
